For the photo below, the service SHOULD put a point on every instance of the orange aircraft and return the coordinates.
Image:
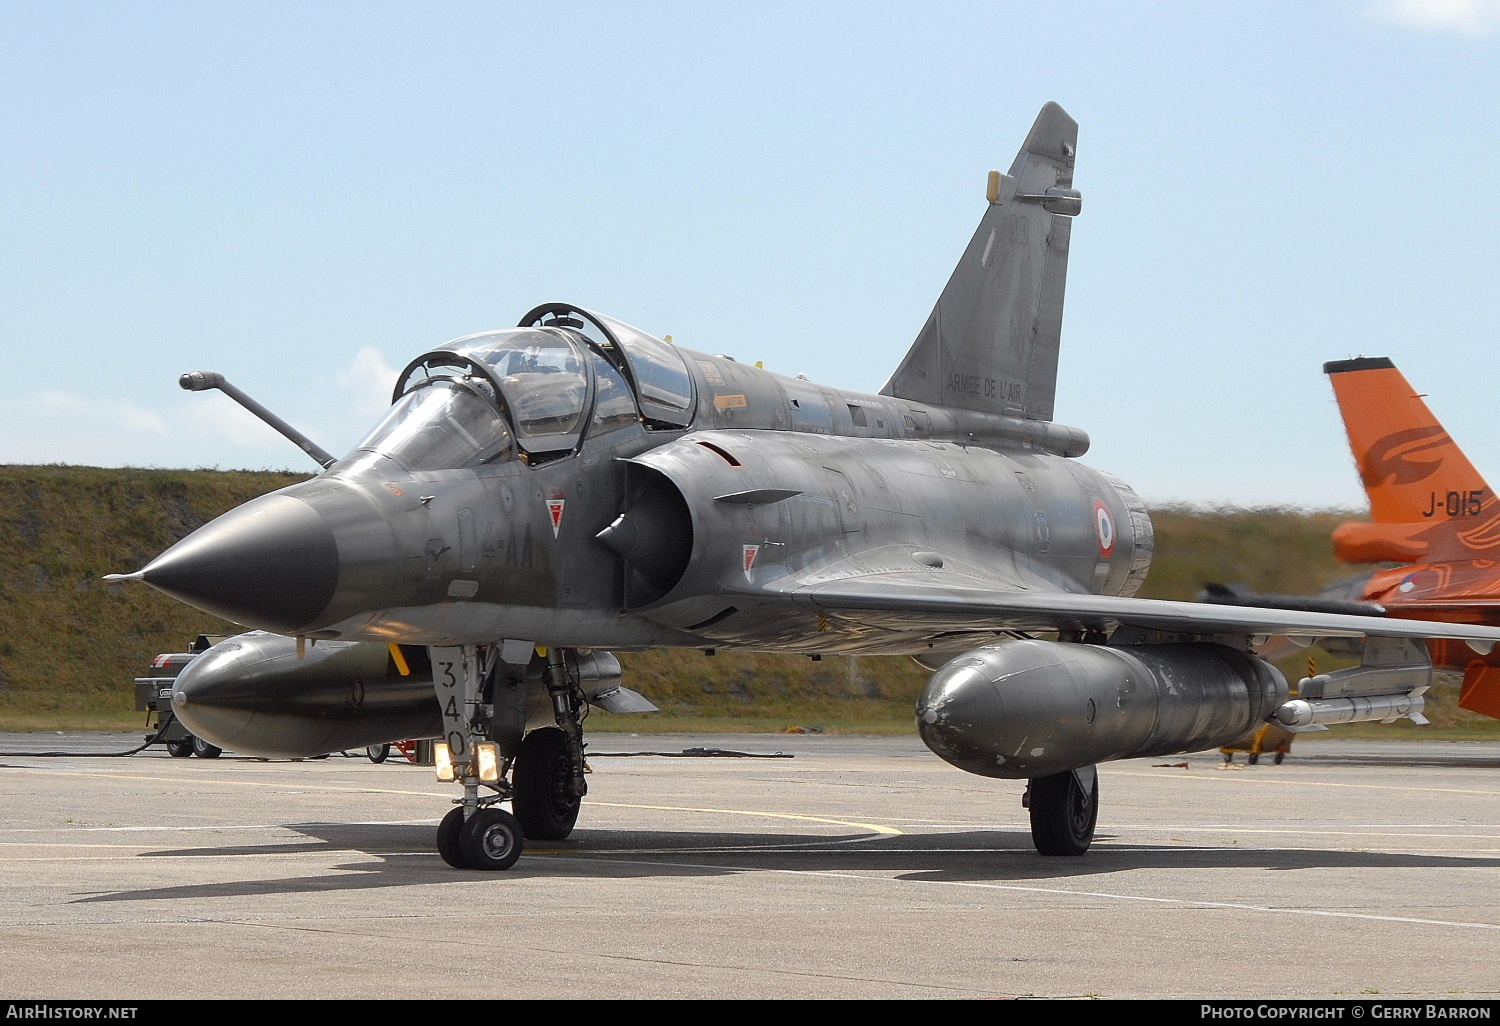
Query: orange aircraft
(1431, 512)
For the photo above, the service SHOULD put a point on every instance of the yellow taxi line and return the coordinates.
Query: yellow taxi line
(220, 781)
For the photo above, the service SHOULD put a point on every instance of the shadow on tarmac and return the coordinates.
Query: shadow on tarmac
(1437, 760)
(402, 855)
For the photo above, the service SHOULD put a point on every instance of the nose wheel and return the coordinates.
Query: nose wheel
(542, 776)
(489, 839)
(447, 838)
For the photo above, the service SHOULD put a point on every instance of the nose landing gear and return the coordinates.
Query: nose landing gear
(543, 779)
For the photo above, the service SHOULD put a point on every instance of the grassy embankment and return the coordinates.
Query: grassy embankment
(70, 644)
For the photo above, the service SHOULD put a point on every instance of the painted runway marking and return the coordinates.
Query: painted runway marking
(64, 844)
(1179, 902)
(1298, 831)
(297, 788)
(872, 827)
(1098, 850)
(433, 821)
(1355, 829)
(609, 855)
(1305, 783)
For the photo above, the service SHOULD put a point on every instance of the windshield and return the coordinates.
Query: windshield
(443, 424)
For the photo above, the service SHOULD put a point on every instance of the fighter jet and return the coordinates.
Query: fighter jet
(540, 495)
(1432, 513)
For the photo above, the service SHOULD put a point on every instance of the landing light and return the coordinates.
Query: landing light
(487, 754)
(486, 762)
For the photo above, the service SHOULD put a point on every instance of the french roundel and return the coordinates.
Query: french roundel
(1104, 527)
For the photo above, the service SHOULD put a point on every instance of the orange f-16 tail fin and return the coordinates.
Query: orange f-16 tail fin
(1409, 465)
(1431, 510)
(1417, 479)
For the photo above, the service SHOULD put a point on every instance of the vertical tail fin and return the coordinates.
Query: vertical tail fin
(1410, 468)
(991, 342)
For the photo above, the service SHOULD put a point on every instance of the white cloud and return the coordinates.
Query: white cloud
(59, 427)
(62, 400)
(182, 430)
(133, 418)
(368, 382)
(217, 413)
(1472, 18)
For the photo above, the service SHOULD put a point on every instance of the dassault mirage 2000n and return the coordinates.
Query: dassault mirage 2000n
(540, 495)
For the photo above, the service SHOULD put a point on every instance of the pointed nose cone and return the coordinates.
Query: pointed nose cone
(271, 563)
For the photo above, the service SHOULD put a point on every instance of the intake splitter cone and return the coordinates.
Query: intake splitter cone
(271, 563)
(655, 533)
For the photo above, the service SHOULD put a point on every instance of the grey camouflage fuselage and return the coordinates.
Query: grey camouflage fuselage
(538, 494)
(736, 485)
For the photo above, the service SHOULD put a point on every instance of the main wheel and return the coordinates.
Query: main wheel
(203, 750)
(546, 810)
(180, 749)
(491, 839)
(448, 845)
(1063, 814)
(378, 753)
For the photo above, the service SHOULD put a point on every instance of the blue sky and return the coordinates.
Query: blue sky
(305, 196)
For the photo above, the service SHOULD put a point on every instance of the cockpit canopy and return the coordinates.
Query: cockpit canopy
(484, 398)
(449, 422)
(542, 376)
(663, 388)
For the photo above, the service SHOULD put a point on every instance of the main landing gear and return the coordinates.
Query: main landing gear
(1064, 809)
(544, 797)
(541, 773)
